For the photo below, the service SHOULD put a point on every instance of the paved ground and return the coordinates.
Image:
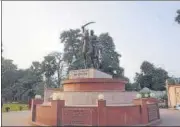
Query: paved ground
(20, 118)
(170, 117)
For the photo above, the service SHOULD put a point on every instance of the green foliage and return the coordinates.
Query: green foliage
(173, 81)
(19, 85)
(60, 67)
(110, 58)
(147, 68)
(7, 109)
(128, 87)
(20, 108)
(177, 18)
(165, 97)
(14, 107)
(72, 47)
(151, 77)
(49, 66)
(9, 72)
(132, 87)
(10, 79)
(163, 105)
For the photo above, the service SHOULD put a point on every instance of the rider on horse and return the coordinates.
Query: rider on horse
(90, 49)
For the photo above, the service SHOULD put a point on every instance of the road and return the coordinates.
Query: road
(20, 118)
(15, 118)
(169, 117)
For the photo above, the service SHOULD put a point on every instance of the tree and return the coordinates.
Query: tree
(159, 79)
(60, 66)
(18, 84)
(13, 82)
(49, 68)
(128, 87)
(8, 71)
(147, 68)
(10, 76)
(173, 80)
(110, 58)
(36, 68)
(9, 83)
(132, 87)
(27, 84)
(73, 47)
(177, 18)
(151, 77)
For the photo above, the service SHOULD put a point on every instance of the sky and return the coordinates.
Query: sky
(140, 30)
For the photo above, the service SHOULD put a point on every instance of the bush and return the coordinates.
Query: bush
(173, 81)
(163, 105)
(7, 109)
(15, 107)
(20, 108)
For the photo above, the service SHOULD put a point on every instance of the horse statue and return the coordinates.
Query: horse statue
(90, 49)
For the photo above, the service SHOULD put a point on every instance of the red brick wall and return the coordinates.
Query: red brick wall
(46, 115)
(101, 115)
(126, 115)
(79, 116)
(153, 113)
(34, 103)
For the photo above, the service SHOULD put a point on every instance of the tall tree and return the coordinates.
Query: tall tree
(159, 79)
(36, 68)
(8, 71)
(72, 46)
(147, 68)
(60, 66)
(177, 18)
(27, 84)
(10, 82)
(151, 77)
(49, 68)
(110, 58)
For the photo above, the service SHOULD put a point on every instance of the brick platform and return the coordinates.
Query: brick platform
(94, 84)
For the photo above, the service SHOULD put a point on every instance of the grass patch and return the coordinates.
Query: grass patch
(15, 107)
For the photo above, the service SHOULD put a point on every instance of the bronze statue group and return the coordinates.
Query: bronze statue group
(91, 50)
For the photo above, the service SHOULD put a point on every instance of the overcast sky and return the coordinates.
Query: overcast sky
(141, 30)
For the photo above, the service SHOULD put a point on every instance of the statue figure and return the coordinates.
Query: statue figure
(96, 50)
(87, 48)
(93, 41)
(90, 49)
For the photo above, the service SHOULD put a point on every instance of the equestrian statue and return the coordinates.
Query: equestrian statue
(91, 51)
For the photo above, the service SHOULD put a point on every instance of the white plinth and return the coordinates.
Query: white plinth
(90, 98)
(88, 73)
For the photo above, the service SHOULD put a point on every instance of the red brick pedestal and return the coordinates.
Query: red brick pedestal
(94, 84)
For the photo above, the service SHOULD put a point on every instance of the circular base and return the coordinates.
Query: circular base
(94, 84)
